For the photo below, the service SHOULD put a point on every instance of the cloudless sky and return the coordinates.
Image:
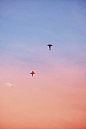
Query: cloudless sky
(56, 96)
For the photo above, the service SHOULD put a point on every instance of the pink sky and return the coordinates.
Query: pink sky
(56, 99)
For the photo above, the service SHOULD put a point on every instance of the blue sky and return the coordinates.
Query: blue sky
(26, 27)
(55, 97)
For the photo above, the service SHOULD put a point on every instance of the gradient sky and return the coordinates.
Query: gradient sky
(55, 98)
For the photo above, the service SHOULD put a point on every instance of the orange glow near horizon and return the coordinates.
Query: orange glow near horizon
(55, 97)
(49, 103)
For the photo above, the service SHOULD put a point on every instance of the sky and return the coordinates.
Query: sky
(55, 97)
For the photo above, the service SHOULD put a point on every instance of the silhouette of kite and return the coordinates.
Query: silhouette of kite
(50, 45)
(32, 73)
